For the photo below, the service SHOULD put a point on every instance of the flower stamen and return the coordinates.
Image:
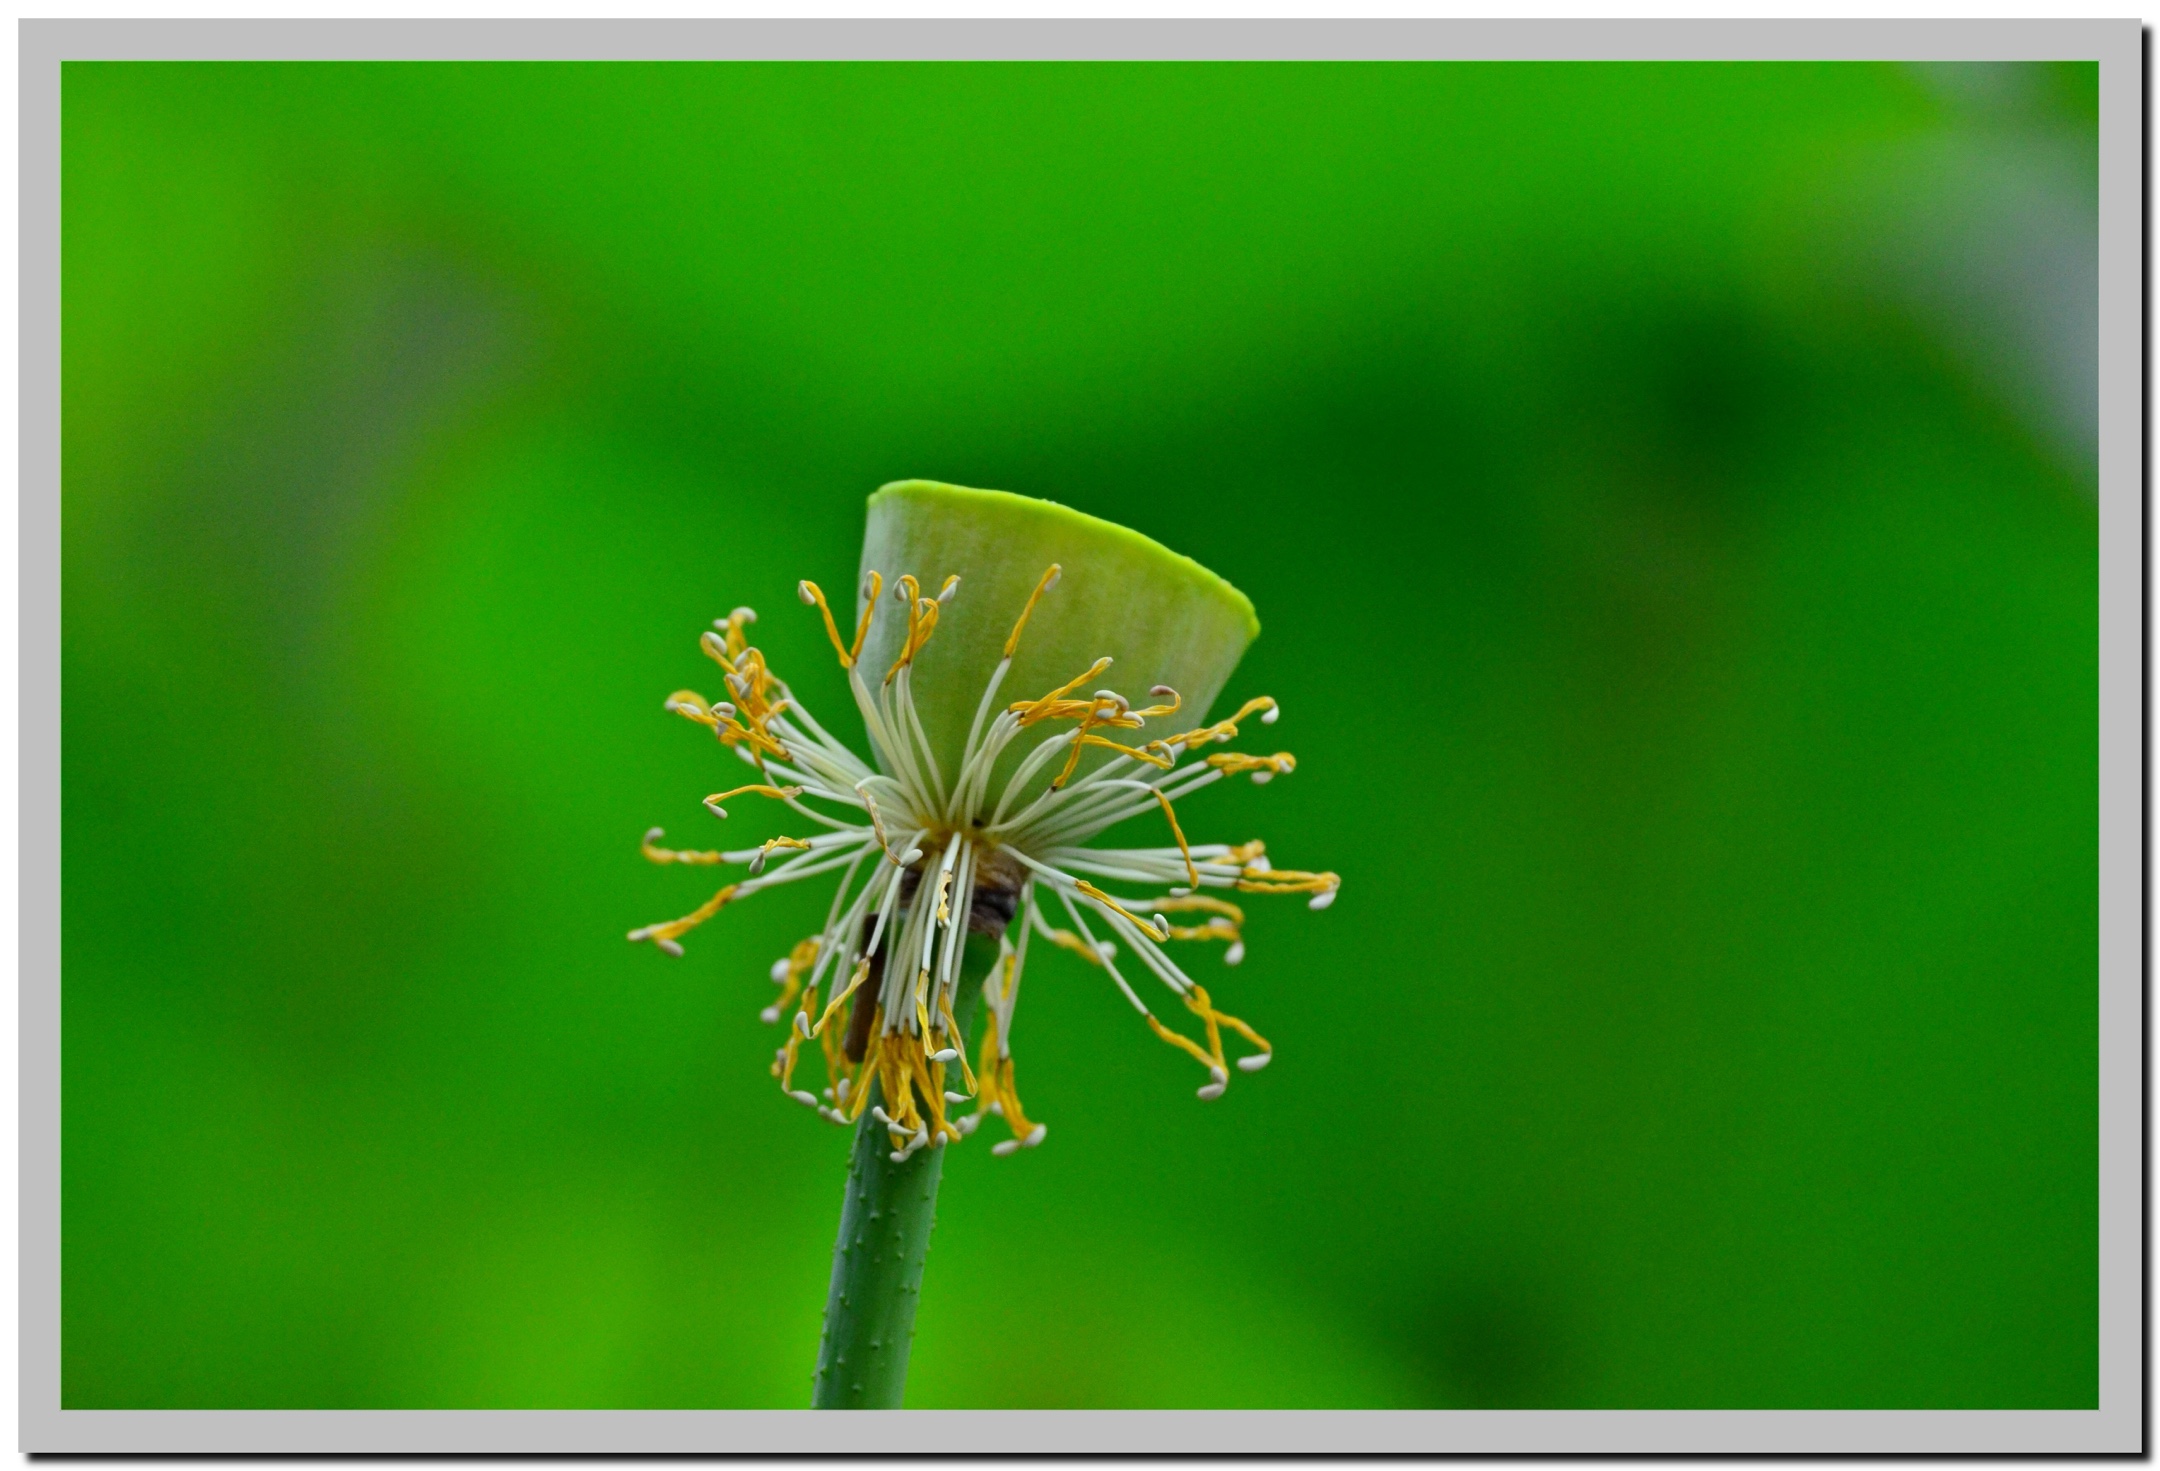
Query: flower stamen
(788, 974)
(762, 789)
(665, 935)
(1049, 580)
(657, 854)
(953, 866)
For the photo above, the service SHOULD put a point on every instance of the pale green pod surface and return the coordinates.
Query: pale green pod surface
(1163, 618)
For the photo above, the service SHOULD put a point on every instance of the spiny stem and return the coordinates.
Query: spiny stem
(885, 1221)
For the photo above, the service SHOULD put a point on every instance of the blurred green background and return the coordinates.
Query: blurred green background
(1668, 495)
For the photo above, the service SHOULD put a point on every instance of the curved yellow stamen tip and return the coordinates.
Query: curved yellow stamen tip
(1049, 580)
(1054, 706)
(1231, 763)
(657, 854)
(999, 1096)
(762, 789)
(1201, 903)
(811, 593)
(862, 970)
(691, 705)
(1192, 874)
(1225, 730)
(922, 619)
(1211, 1057)
(1321, 886)
(664, 935)
(789, 974)
(1180, 1040)
(1109, 903)
(874, 585)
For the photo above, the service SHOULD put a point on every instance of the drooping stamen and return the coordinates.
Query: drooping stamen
(1064, 939)
(1170, 815)
(998, 1095)
(877, 822)
(862, 971)
(789, 973)
(811, 593)
(666, 934)
(762, 789)
(957, 1045)
(656, 854)
(1211, 1057)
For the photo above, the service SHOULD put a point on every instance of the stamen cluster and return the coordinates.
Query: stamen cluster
(922, 859)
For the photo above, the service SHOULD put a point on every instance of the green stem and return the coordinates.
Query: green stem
(885, 1221)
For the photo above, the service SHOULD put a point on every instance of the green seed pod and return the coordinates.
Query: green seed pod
(1163, 619)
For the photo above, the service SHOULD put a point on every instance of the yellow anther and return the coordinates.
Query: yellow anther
(862, 624)
(1179, 1039)
(1201, 903)
(1286, 881)
(1105, 900)
(761, 789)
(1067, 940)
(691, 705)
(1049, 706)
(958, 1043)
(657, 854)
(1072, 760)
(1153, 712)
(914, 1099)
(1192, 874)
(752, 698)
(996, 1089)
(733, 623)
(1221, 730)
(909, 592)
(665, 934)
(862, 970)
(1083, 739)
(1199, 1003)
(1231, 763)
(1049, 580)
(877, 825)
(922, 622)
(775, 845)
(1210, 1057)
(799, 962)
(810, 592)
(1214, 929)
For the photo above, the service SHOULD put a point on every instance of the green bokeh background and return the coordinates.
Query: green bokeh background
(1684, 614)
